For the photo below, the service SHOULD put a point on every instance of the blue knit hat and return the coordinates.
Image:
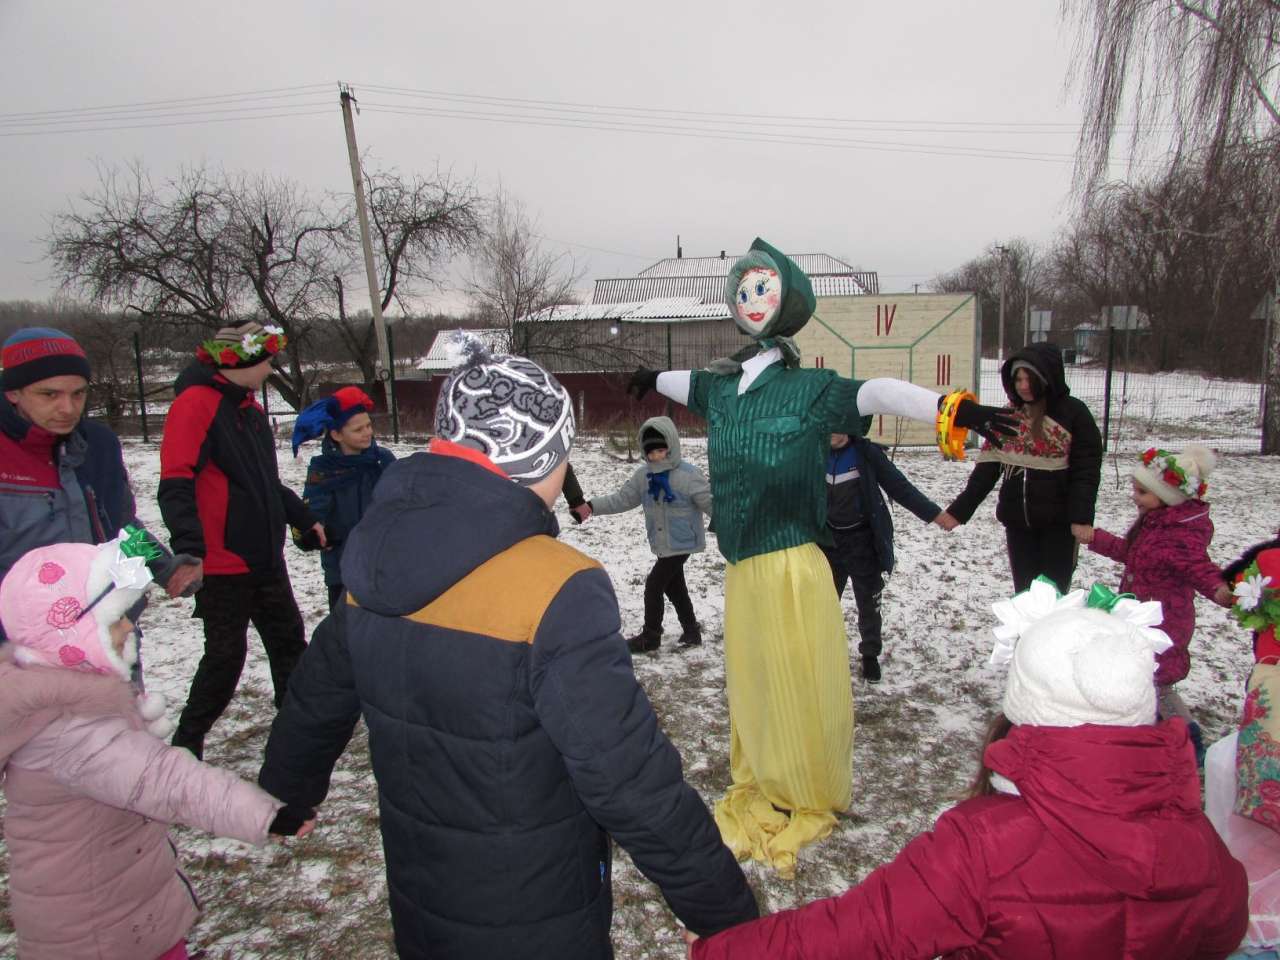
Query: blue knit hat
(38, 353)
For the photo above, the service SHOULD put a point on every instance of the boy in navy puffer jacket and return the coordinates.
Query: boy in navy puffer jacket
(674, 494)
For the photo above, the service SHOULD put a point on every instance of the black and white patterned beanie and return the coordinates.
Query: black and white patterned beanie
(510, 409)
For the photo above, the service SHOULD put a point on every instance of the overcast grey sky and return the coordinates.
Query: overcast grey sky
(901, 78)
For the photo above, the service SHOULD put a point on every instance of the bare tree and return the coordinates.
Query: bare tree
(1189, 250)
(981, 276)
(1209, 69)
(201, 250)
(418, 224)
(513, 275)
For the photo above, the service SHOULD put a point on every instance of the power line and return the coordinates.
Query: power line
(750, 117)
(247, 112)
(174, 123)
(742, 136)
(148, 104)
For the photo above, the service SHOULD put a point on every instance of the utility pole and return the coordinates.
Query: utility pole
(1026, 300)
(346, 98)
(1002, 250)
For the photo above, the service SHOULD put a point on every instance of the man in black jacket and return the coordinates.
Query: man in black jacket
(508, 734)
(221, 498)
(860, 524)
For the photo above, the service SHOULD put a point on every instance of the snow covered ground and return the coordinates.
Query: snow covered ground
(917, 733)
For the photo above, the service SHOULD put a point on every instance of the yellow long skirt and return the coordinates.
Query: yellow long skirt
(790, 706)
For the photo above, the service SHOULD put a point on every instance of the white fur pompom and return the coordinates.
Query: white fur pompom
(1202, 457)
(151, 706)
(161, 728)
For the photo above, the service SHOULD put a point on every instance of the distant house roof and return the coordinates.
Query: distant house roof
(814, 264)
(692, 288)
(446, 348)
(710, 288)
(635, 311)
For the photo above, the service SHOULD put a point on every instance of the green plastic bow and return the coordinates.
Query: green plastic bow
(1104, 598)
(139, 543)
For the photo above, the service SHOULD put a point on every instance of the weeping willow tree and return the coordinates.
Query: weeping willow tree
(1192, 76)
(1190, 83)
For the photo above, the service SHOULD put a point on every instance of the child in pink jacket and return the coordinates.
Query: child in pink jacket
(90, 789)
(1165, 557)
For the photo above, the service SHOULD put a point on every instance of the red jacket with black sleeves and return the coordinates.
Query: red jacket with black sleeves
(220, 491)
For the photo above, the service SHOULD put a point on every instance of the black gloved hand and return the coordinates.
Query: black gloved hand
(306, 539)
(641, 382)
(289, 819)
(993, 423)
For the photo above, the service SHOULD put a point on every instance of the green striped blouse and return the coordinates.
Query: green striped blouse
(767, 450)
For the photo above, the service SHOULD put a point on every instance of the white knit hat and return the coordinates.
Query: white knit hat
(1072, 663)
(1176, 478)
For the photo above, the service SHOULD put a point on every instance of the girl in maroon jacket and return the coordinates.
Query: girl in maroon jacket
(1083, 839)
(1165, 557)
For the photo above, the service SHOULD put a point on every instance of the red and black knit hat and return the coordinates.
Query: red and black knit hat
(38, 353)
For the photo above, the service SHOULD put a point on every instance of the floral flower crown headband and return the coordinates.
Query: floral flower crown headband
(1018, 614)
(1257, 605)
(1165, 464)
(249, 349)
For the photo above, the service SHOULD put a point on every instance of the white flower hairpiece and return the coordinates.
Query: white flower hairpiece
(1250, 591)
(250, 345)
(1019, 613)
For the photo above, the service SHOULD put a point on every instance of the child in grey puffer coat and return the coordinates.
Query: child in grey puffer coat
(674, 494)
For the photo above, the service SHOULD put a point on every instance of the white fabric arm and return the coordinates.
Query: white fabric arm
(897, 398)
(674, 385)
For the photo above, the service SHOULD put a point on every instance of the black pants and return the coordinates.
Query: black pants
(853, 559)
(1050, 551)
(667, 578)
(227, 605)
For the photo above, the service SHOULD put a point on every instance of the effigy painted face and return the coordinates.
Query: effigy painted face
(758, 299)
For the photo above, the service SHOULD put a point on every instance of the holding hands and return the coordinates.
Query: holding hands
(946, 521)
(1083, 532)
(991, 423)
(1223, 595)
(581, 512)
(292, 821)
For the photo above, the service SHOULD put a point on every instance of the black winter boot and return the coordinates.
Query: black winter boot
(691, 635)
(871, 669)
(646, 641)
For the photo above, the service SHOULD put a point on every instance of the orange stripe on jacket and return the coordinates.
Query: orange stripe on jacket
(507, 595)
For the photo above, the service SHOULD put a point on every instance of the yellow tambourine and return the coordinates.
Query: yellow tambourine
(950, 437)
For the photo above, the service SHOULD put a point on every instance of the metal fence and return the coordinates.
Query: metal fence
(1135, 409)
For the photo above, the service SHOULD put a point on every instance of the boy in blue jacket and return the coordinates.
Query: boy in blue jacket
(341, 478)
(862, 530)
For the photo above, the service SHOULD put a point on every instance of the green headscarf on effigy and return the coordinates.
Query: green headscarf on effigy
(798, 304)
